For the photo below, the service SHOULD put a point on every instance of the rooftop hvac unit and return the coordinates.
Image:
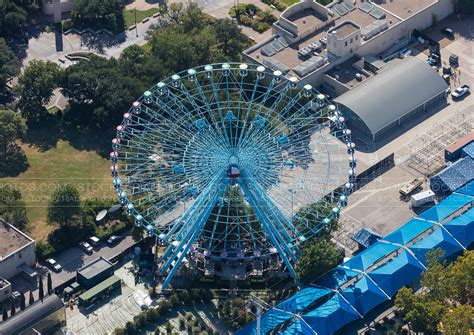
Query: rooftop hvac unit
(358, 77)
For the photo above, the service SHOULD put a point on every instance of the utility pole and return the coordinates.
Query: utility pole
(136, 27)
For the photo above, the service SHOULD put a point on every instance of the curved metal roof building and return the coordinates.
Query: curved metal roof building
(392, 95)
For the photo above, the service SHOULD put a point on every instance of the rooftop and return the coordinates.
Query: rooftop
(344, 30)
(11, 239)
(403, 8)
(348, 74)
(306, 18)
(94, 268)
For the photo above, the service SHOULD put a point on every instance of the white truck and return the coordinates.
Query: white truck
(422, 198)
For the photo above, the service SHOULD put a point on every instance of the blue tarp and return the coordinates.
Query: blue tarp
(370, 256)
(365, 237)
(331, 316)
(453, 176)
(301, 300)
(299, 327)
(446, 207)
(336, 278)
(397, 273)
(408, 231)
(269, 320)
(467, 189)
(468, 150)
(438, 239)
(462, 227)
(364, 295)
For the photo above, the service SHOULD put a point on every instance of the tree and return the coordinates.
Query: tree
(9, 64)
(50, 284)
(137, 233)
(460, 279)
(421, 311)
(31, 299)
(41, 288)
(35, 87)
(316, 259)
(64, 208)
(230, 36)
(11, 129)
(459, 320)
(13, 308)
(97, 13)
(22, 301)
(12, 208)
(12, 17)
(5, 314)
(464, 6)
(130, 328)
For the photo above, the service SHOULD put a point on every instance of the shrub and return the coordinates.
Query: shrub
(44, 250)
(152, 314)
(182, 324)
(246, 21)
(260, 27)
(140, 320)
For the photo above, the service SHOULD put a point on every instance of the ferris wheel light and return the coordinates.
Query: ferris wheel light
(243, 69)
(260, 72)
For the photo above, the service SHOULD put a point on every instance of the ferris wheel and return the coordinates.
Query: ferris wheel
(232, 162)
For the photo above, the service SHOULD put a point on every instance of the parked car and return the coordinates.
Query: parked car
(460, 92)
(448, 32)
(114, 239)
(94, 241)
(53, 265)
(86, 247)
(453, 60)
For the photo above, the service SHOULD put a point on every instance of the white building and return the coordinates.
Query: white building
(57, 8)
(17, 252)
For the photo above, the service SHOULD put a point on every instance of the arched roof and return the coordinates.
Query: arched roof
(393, 92)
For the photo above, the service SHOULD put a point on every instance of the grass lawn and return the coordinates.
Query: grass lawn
(53, 110)
(61, 164)
(290, 2)
(129, 16)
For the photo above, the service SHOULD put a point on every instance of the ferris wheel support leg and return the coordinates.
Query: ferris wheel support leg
(272, 234)
(195, 224)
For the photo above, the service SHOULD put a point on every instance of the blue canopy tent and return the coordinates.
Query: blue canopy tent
(331, 316)
(446, 207)
(299, 327)
(453, 176)
(408, 231)
(397, 273)
(304, 298)
(440, 238)
(268, 321)
(364, 295)
(335, 278)
(462, 227)
(370, 256)
(467, 189)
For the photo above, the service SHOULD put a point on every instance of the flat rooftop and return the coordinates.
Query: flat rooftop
(344, 30)
(94, 268)
(289, 55)
(306, 18)
(11, 239)
(346, 73)
(403, 8)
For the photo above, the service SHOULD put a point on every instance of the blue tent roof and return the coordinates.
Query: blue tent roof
(370, 256)
(462, 227)
(453, 176)
(446, 207)
(269, 320)
(467, 189)
(299, 327)
(468, 150)
(364, 295)
(397, 273)
(440, 238)
(301, 300)
(336, 278)
(408, 231)
(331, 316)
(366, 237)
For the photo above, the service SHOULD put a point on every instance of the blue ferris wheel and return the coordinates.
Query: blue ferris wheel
(232, 163)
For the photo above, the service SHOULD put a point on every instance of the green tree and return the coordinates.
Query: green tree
(137, 233)
(12, 17)
(460, 278)
(459, 320)
(12, 208)
(130, 328)
(40, 288)
(64, 208)
(97, 13)
(9, 64)
(50, 284)
(22, 301)
(31, 299)
(317, 257)
(12, 128)
(230, 36)
(35, 87)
